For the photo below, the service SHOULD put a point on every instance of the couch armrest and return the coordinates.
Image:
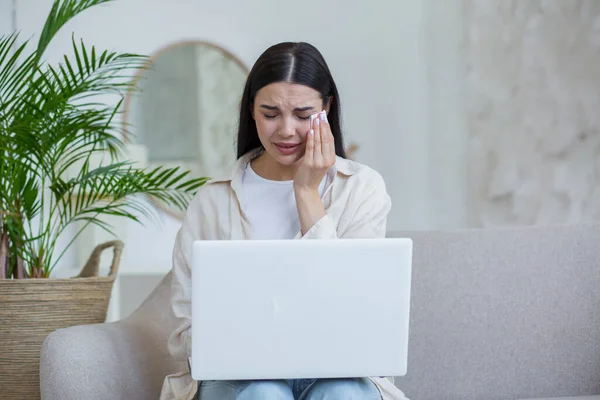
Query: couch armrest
(87, 362)
(120, 360)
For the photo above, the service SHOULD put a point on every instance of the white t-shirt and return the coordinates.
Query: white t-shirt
(271, 206)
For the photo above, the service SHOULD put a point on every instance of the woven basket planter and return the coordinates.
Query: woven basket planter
(30, 309)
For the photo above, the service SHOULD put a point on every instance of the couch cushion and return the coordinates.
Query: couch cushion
(500, 314)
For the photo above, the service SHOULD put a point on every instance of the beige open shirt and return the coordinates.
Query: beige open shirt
(357, 206)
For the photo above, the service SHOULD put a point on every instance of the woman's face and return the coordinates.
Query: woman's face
(282, 113)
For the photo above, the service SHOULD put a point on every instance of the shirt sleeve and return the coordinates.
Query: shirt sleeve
(366, 211)
(179, 342)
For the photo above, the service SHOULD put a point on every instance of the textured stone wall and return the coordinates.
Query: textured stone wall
(533, 84)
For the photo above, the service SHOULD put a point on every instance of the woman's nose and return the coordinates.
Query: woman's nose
(289, 128)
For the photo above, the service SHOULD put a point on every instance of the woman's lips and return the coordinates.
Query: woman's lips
(287, 148)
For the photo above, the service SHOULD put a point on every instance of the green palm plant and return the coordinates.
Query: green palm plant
(51, 121)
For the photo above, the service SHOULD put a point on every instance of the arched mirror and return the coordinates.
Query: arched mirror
(185, 113)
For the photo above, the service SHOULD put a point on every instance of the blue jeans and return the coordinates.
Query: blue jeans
(294, 389)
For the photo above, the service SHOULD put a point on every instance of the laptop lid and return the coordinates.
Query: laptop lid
(288, 309)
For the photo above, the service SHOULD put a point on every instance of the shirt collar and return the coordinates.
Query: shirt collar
(342, 166)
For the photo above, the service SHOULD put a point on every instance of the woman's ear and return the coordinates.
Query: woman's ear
(252, 111)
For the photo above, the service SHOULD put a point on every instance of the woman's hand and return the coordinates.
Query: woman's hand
(318, 158)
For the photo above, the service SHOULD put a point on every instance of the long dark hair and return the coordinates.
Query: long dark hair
(299, 63)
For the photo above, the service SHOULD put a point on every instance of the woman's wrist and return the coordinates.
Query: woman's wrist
(310, 207)
(306, 191)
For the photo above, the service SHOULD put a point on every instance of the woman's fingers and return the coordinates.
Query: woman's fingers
(310, 147)
(322, 152)
(328, 144)
(318, 152)
(325, 142)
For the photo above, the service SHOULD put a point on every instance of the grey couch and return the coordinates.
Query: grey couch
(496, 315)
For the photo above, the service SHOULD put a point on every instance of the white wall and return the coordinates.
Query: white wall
(5, 16)
(534, 89)
(445, 115)
(378, 54)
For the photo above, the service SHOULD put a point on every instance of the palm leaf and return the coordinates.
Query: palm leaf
(62, 12)
(13, 70)
(106, 187)
(69, 84)
(53, 120)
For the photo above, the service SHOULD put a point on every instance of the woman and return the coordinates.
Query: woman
(291, 181)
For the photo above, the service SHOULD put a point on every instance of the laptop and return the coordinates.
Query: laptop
(292, 309)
